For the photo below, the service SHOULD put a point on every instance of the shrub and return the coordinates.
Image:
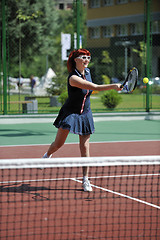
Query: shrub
(111, 99)
(155, 89)
(63, 97)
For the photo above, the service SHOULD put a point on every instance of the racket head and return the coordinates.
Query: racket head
(131, 81)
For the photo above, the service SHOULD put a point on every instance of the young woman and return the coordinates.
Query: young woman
(75, 115)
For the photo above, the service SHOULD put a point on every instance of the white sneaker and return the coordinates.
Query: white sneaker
(45, 156)
(87, 186)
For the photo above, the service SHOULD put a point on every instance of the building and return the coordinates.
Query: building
(66, 4)
(118, 25)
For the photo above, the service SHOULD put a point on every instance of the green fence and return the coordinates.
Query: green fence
(37, 36)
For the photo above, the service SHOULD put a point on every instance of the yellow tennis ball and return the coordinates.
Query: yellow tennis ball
(145, 80)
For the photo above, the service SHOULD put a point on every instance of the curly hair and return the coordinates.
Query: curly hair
(75, 53)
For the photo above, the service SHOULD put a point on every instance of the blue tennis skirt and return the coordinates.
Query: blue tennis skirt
(81, 124)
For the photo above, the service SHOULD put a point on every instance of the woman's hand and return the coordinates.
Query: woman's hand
(118, 87)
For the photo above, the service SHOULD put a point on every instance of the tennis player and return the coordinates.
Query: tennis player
(75, 116)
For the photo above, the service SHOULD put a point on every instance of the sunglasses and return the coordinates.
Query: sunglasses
(85, 57)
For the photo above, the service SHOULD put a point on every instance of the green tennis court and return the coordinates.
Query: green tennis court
(106, 131)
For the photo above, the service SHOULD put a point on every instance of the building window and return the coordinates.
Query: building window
(69, 5)
(122, 30)
(107, 31)
(107, 2)
(122, 1)
(94, 3)
(156, 27)
(94, 32)
(61, 6)
(136, 28)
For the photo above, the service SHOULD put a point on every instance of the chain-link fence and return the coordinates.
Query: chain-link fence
(37, 37)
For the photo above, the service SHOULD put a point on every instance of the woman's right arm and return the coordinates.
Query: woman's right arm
(78, 82)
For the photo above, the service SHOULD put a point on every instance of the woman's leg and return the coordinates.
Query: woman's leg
(59, 141)
(84, 149)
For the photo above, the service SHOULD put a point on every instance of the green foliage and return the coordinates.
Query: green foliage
(59, 84)
(155, 89)
(101, 67)
(106, 79)
(111, 99)
(63, 97)
(32, 22)
(34, 35)
(106, 58)
(23, 17)
(141, 52)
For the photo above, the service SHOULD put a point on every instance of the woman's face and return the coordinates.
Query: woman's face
(82, 61)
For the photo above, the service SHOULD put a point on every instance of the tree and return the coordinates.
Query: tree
(34, 35)
(31, 33)
(141, 53)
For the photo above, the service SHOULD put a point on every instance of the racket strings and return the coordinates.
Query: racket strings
(132, 80)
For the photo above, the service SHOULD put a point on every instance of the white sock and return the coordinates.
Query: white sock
(85, 178)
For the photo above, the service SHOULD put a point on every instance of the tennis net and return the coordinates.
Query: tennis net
(44, 199)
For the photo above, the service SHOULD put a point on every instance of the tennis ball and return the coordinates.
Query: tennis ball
(145, 80)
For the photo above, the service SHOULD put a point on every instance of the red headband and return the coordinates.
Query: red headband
(74, 54)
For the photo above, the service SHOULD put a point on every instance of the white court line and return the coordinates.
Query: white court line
(62, 179)
(96, 117)
(121, 194)
(95, 186)
(120, 176)
(70, 143)
(36, 180)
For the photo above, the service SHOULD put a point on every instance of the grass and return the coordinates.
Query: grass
(130, 102)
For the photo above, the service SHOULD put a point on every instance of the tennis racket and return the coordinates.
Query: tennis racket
(130, 82)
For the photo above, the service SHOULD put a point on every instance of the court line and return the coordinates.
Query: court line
(120, 176)
(62, 179)
(122, 195)
(46, 144)
(99, 117)
(95, 186)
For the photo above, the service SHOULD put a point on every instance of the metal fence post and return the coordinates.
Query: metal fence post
(4, 58)
(78, 22)
(148, 39)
